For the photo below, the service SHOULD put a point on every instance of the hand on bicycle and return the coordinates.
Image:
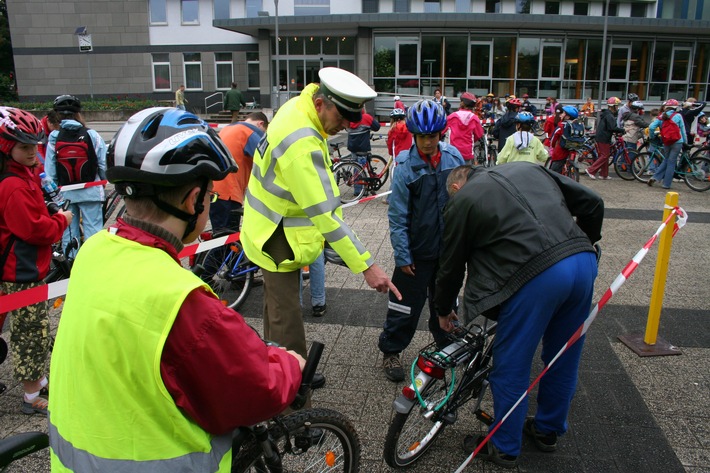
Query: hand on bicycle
(299, 358)
(449, 322)
(378, 280)
(68, 215)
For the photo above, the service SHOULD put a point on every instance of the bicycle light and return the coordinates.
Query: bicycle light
(409, 393)
(430, 368)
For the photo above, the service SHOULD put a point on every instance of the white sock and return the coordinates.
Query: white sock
(43, 382)
(31, 396)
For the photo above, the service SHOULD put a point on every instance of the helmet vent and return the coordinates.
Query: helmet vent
(151, 129)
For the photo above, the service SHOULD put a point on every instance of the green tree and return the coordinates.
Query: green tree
(7, 63)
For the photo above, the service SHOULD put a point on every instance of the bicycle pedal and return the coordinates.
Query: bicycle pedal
(484, 417)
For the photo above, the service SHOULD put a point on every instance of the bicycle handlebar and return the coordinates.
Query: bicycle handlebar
(309, 370)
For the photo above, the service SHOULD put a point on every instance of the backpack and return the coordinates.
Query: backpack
(670, 131)
(573, 135)
(75, 155)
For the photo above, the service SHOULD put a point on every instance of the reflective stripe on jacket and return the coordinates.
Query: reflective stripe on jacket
(292, 186)
(123, 418)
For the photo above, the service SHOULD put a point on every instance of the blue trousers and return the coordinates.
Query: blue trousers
(403, 316)
(550, 307)
(88, 215)
(317, 281)
(666, 170)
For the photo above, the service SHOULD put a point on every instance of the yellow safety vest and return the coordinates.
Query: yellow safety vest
(109, 410)
(292, 184)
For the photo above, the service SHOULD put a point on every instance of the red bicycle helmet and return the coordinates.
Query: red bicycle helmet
(515, 101)
(613, 101)
(19, 126)
(671, 103)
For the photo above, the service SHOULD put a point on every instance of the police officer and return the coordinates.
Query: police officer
(292, 204)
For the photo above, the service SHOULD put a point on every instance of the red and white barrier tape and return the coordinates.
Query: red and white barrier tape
(366, 199)
(613, 289)
(83, 185)
(14, 301)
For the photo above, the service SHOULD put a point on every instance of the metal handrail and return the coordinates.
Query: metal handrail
(221, 100)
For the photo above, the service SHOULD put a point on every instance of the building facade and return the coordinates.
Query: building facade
(569, 50)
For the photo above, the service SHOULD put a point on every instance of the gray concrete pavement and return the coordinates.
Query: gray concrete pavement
(646, 414)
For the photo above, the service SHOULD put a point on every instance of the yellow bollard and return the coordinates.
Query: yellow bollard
(659, 278)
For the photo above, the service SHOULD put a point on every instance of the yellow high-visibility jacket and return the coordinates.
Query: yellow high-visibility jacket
(292, 185)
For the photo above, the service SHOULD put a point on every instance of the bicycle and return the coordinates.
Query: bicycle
(570, 167)
(354, 180)
(447, 380)
(306, 441)
(484, 150)
(694, 170)
(227, 270)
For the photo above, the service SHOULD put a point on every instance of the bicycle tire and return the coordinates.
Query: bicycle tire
(625, 169)
(110, 204)
(378, 163)
(585, 157)
(337, 450)
(231, 284)
(572, 171)
(492, 157)
(696, 174)
(347, 174)
(642, 164)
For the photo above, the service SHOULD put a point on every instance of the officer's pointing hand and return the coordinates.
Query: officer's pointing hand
(378, 280)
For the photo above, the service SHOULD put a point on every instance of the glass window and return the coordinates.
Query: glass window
(295, 46)
(432, 6)
(463, 6)
(330, 45)
(551, 8)
(192, 64)
(311, 7)
(528, 58)
(681, 64)
(158, 12)
(504, 57)
(253, 7)
(661, 61)
(700, 70)
(224, 71)
(347, 45)
(384, 56)
(619, 63)
(253, 70)
(313, 45)
(522, 6)
(407, 55)
(613, 9)
(593, 64)
(370, 6)
(161, 71)
(346, 64)
(456, 49)
(401, 6)
(221, 9)
(492, 6)
(671, 10)
(190, 13)
(638, 10)
(480, 64)
(551, 55)
(581, 8)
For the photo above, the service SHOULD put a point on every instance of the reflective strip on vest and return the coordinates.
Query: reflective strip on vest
(76, 459)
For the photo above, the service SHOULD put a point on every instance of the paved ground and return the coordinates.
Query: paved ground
(630, 414)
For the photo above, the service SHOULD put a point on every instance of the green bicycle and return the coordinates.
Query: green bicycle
(693, 169)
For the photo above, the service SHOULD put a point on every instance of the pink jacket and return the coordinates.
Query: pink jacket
(465, 129)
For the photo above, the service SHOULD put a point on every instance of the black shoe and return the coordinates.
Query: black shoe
(318, 310)
(543, 442)
(650, 182)
(392, 366)
(318, 381)
(489, 452)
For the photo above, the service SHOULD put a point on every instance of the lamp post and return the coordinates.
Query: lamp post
(602, 81)
(278, 77)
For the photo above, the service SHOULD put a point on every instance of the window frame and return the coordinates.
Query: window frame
(223, 62)
(214, 9)
(473, 43)
(166, 64)
(185, 65)
(182, 13)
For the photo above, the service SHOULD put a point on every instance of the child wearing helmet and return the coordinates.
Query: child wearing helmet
(559, 153)
(523, 145)
(154, 336)
(416, 205)
(505, 126)
(606, 126)
(27, 231)
(633, 124)
(464, 126)
(399, 139)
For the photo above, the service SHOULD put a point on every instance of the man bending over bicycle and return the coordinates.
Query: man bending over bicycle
(531, 267)
(148, 365)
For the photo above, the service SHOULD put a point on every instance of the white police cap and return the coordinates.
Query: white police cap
(346, 90)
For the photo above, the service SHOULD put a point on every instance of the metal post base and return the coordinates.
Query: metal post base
(662, 348)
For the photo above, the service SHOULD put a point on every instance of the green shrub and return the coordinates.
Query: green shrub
(111, 103)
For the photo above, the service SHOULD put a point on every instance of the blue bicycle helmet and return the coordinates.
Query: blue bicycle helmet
(571, 111)
(426, 117)
(398, 113)
(524, 117)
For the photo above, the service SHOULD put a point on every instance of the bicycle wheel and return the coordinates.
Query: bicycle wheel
(624, 168)
(644, 164)
(229, 273)
(331, 445)
(492, 157)
(378, 164)
(585, 157)
(410, 435)
(572, 171)
(348, 177)
(696, 173)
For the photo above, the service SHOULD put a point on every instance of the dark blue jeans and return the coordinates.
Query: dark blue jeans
(403, 316)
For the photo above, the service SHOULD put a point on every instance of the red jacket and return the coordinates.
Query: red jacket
(558, 153)
(24, 214)
(549, 129)
(398, 138)
(214, 365)
(465, 129)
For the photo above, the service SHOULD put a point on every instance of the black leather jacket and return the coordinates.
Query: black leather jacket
(505, 226)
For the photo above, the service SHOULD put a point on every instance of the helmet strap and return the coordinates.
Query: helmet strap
(191, 219)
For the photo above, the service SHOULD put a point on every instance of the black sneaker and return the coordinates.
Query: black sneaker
(318, 310)
(489, 452)
(543, 442)
(392, 366)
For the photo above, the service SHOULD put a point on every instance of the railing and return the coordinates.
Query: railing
(214, 103)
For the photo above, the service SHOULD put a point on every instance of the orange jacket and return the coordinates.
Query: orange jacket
(241, 139)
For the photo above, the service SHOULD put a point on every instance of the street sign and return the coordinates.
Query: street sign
(85, 43)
